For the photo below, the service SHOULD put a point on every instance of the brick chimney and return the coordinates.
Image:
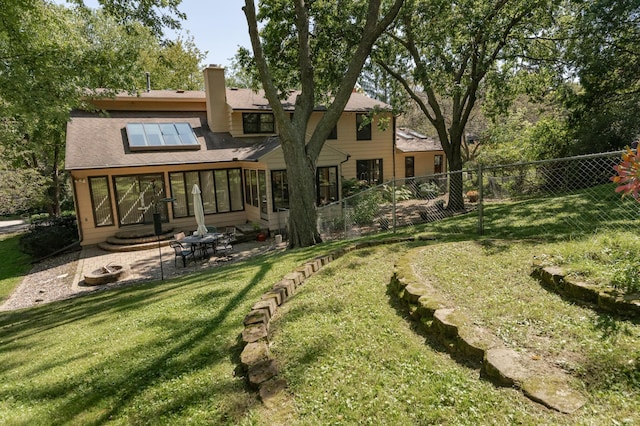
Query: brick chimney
(216, 92)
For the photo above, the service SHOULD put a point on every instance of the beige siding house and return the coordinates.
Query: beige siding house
(143, 154)
(417, 154)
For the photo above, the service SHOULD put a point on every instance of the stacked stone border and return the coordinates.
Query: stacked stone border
(260, 366)
(471, 344)
(555, 279)
(465, 341)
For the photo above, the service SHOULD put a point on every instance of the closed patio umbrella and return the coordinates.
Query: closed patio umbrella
(198, 210)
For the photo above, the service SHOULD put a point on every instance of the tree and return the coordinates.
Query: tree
(604, 52)
(51, 59)
(172, 65)
(318, 47)
(457, 51)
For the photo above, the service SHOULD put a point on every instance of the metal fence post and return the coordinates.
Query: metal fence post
(393, 210)
(480, 202)
(344, 217)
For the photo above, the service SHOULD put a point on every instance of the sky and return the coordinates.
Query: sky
(218, 27)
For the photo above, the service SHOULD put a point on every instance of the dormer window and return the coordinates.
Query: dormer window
(258, 122)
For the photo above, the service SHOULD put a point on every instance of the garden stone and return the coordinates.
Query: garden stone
(553, 392)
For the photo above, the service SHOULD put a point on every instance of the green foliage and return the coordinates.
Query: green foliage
(353, 186)
(429, 190)
(366, 206)
(602, 47)
(48, 235)
(626, 276)
(402, 193)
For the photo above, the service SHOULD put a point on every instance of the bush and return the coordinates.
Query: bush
(367, 207)
(429, 190)
(48, 235)
(403, 193)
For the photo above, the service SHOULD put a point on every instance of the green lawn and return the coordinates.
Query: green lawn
(13, 266)
(167, 352)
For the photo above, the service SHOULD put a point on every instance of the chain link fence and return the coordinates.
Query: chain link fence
(565, 196)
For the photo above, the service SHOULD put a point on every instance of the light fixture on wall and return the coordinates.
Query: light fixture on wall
(81, 180)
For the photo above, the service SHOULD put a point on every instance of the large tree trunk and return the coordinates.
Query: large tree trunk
(454, 158)
(303, 231)
(456, 199)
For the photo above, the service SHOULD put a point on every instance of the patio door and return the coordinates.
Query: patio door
(135, 198)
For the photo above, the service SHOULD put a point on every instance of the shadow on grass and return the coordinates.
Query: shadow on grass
(195, 341)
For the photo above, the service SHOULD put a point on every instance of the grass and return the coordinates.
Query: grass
(14, 265)
(167, 352)
(159, 353)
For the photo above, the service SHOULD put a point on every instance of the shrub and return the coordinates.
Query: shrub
(48, 235)
(367, 206)
(429, 190)
(403, 193)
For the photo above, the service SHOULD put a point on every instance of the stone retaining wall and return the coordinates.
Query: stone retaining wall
(502, 365)
(555, 279)
(472, 344)
(260, 366)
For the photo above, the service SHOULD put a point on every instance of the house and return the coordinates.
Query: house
(417, 154)
(143, 153)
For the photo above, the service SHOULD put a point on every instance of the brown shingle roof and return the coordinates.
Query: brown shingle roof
(94, 141)
(408, 140)
(246, 99)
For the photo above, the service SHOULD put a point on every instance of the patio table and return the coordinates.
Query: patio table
(201, 242)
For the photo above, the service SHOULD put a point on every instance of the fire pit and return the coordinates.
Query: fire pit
(106, 274)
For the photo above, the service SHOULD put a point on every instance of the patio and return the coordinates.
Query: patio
(62, 277)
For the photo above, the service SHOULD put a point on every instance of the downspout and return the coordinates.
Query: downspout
(75, 205)
(343, 202)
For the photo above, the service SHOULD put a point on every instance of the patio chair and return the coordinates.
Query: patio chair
(223, 248)
(182, 252)
(230, 233)
(179, 236)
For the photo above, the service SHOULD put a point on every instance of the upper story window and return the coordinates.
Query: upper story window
(334, 133)
(258, 122)
(363, 127)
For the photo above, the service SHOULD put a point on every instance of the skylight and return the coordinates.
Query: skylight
(145, 136)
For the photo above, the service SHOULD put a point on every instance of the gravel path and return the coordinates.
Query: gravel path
(47, 281)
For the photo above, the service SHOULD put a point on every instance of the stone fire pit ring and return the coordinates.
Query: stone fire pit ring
(107, 274)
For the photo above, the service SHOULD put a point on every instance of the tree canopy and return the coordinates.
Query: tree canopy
(459, 52)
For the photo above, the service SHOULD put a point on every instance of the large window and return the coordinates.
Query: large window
(363, 127)
(135, 197)
(251, 196)
(280, 190)
(258, 122)
(327, 184)
(370, 171)
(255, 189)
(221, 191)
(101, 201)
